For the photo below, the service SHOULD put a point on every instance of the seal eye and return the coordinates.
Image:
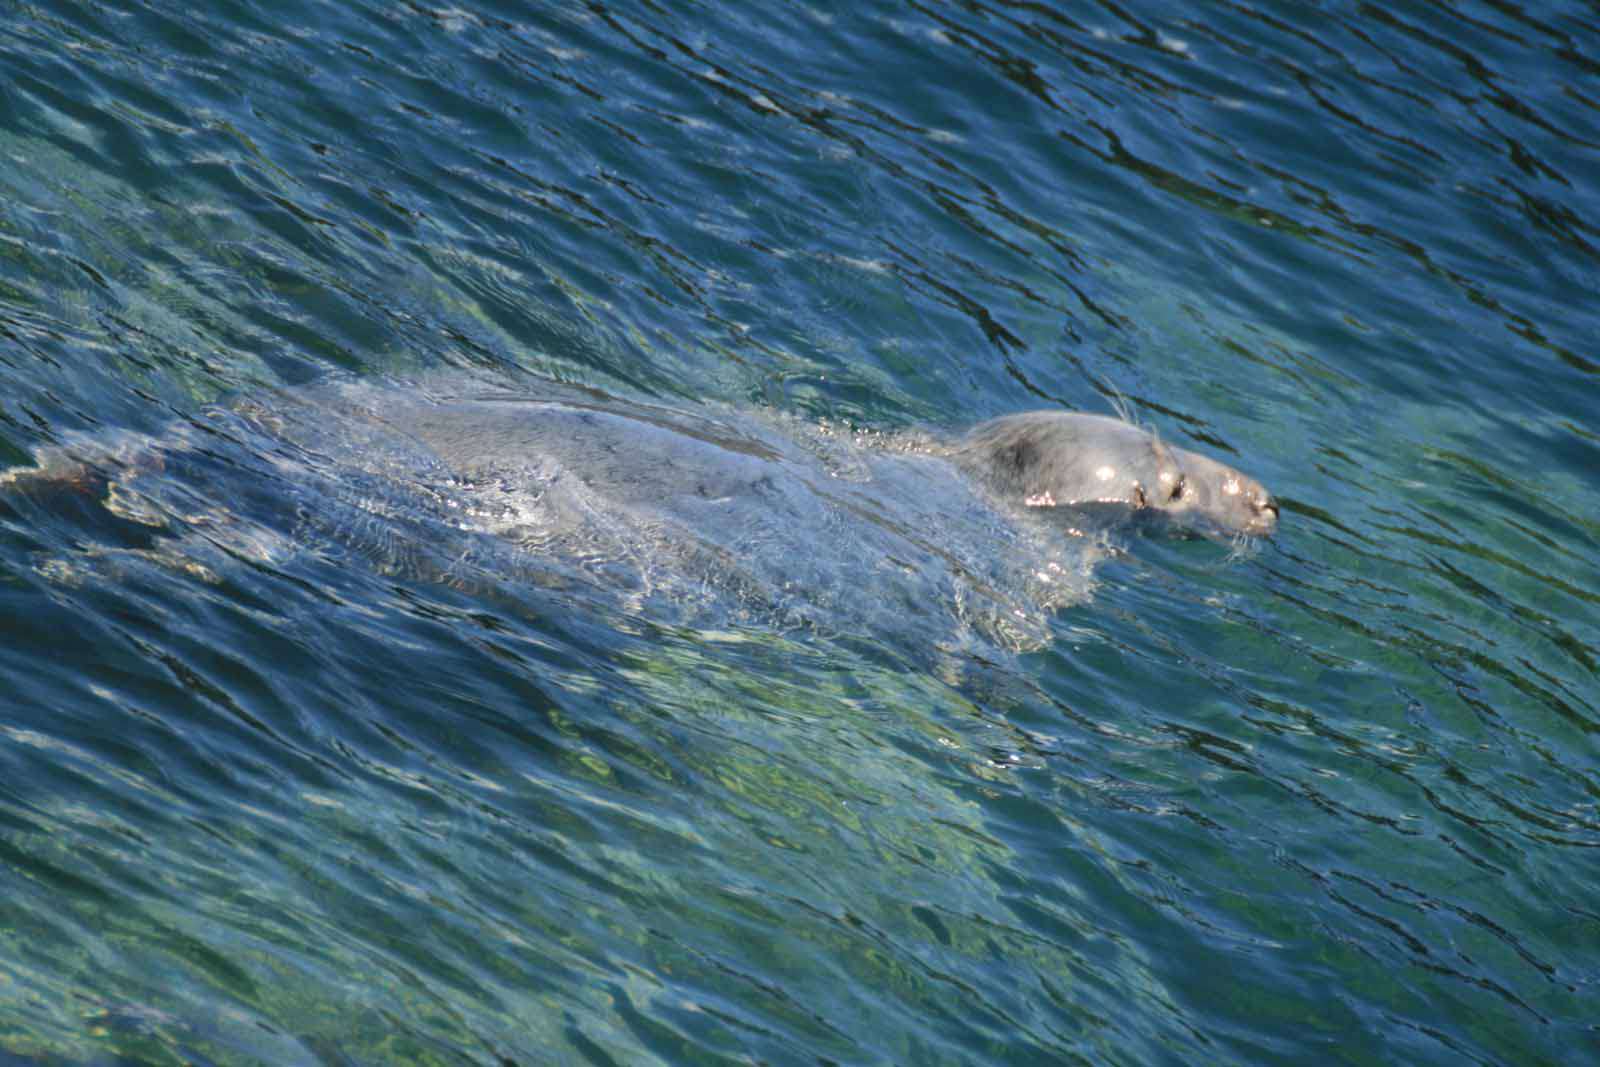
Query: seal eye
(1177, 489)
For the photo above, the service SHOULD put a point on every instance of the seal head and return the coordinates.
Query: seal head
(1092, 463)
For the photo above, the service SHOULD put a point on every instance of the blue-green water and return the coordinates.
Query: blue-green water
(1337, 801)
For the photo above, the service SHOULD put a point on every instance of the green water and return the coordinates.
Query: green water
(1334, 801)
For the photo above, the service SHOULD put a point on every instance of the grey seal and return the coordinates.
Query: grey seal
(1066, 461)
(1081, 462)
(709, 516)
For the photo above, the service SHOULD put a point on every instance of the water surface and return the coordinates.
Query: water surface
(1334, 801)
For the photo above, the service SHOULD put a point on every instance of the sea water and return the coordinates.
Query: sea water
(1334, 800)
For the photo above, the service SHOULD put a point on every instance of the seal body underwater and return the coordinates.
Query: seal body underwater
(1040, 460)
(707, 516)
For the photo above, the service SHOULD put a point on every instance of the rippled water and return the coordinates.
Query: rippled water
(1334, 801)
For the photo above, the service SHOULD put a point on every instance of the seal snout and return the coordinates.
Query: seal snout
(1264, 513)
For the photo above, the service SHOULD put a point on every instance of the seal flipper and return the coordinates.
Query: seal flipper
(85, 486)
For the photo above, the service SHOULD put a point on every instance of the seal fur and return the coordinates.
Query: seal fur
(1072, 461)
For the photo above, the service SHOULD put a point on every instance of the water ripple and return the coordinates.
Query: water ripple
(273, 799)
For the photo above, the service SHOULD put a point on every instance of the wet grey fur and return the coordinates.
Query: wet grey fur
(1070, 460)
